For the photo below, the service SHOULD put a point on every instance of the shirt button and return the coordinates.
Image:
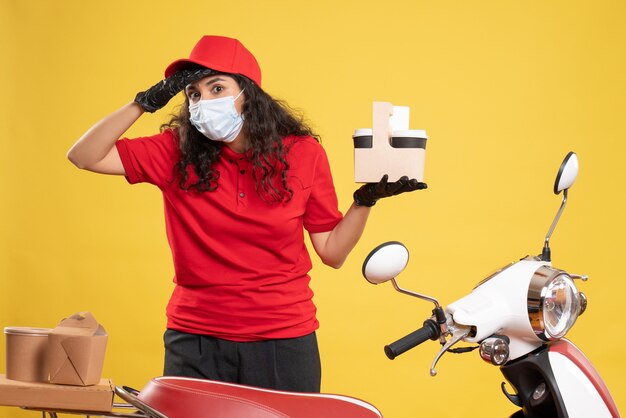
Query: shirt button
(242, 194)
(242, 172)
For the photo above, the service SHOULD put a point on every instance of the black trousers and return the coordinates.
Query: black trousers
(291, 364)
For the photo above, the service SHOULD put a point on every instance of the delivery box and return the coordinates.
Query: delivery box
(390, 147)
(96, 398)
(76, 350)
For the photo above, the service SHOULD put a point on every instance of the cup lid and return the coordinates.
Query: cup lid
(411, 133)
(362, 132)
(36, 332)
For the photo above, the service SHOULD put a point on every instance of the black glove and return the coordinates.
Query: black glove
(158, 95)
(369, 193)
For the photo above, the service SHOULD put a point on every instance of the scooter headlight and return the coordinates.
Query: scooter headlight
(553, 303)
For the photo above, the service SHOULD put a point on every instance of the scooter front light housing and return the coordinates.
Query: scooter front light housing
(495, 350)
(554, 303)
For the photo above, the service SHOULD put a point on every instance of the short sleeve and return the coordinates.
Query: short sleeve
(322, 213)
(149, 159)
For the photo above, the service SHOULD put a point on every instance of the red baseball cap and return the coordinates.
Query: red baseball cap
(221, 54)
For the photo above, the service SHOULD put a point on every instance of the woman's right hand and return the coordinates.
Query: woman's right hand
(95, 150)
(162, 92)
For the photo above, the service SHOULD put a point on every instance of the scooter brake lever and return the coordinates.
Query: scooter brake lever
(457, 335)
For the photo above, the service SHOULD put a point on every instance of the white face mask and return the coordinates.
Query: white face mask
(217, 119)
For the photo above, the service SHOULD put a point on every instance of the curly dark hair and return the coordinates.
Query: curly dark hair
(266, 122)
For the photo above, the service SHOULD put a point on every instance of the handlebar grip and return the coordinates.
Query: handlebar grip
(430, 331)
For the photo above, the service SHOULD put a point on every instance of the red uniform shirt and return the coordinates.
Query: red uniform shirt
(241, 265)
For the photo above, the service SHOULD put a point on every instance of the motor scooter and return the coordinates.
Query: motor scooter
(519, 317)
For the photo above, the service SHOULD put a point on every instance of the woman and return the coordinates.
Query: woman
(242, 178)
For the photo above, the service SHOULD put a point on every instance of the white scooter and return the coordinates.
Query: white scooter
(518, 316)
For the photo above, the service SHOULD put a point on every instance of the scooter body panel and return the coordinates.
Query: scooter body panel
(499, 306)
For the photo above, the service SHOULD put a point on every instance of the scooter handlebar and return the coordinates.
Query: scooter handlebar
(430, 331)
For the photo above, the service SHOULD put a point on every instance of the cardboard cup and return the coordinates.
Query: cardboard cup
(362, 138)
(415, 138)
(26, 354)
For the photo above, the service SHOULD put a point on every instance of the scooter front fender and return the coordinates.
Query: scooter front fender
(584, 392)
(557, 380)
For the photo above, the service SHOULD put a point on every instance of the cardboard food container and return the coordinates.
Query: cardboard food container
(390, 147)
(96, 398)
(26, 353)
(76, 350)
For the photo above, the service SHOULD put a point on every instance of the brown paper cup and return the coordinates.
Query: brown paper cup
(26, 354)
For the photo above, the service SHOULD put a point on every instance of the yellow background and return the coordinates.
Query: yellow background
(504, 89)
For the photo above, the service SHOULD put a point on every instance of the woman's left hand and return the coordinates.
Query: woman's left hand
(370, 193)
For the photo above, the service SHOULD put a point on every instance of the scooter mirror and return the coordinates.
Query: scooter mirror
(567, 173)
(385, 262)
